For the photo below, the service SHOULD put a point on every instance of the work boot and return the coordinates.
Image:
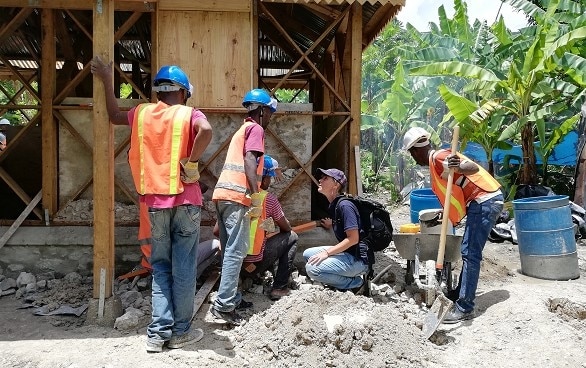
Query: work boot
(232, 317)
(243, 305)
(193, 335)
(455, 315)
(277, 294)
(154, 346)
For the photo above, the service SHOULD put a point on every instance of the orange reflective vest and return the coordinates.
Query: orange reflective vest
(257, 236)
(232, 184)
(159, 139)
(144, 236)
(482, 179)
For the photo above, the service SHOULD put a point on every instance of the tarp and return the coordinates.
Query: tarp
(565, 153)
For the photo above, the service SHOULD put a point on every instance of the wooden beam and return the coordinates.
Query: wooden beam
(355, 95)
(9, 29)
(119, 5)
(49, 130)
(16, 224)
(19, 191)
(103, 154)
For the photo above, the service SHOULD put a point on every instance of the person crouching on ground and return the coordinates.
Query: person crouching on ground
(266, 248)
(345, 265)
(475, 194)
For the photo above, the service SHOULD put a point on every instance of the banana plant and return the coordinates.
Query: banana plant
(517, 85)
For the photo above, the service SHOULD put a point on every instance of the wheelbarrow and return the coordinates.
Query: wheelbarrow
(420, 247)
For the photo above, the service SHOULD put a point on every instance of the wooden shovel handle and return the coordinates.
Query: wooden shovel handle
(445, 218)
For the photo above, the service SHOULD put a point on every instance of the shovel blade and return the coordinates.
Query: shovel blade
(436, 315)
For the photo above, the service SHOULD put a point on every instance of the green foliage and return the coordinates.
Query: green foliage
(292, 96)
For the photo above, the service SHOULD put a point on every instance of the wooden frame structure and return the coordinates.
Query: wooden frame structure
(308, 45)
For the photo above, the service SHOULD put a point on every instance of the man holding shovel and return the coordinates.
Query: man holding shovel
(475, 194)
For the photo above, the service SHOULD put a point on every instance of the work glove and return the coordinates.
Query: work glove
(255, 209)
(189, 171)
(268, 225)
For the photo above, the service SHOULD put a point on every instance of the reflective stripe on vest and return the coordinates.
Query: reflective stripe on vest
(257, 236)
(232, 184)
(159, 139)
(482, 179)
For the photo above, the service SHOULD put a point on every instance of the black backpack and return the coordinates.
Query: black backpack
(375, 222)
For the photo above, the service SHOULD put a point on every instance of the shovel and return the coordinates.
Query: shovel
(441, 304)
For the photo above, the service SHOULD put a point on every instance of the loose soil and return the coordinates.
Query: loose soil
(521, 322)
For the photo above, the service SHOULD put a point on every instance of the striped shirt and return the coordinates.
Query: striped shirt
(274, 210)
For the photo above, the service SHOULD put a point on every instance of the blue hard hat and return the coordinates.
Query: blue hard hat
(174, 75)
(270, 165)
(258, 96)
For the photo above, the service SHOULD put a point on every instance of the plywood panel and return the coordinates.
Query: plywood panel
(214, 49)
(209, 5)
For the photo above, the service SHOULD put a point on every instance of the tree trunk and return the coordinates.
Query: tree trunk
(529, 172)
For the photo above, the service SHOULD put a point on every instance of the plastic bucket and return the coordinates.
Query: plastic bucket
(422, 199)
(430, 222)
(545, 233)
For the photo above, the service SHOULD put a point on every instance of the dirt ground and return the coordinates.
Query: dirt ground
(521, 322)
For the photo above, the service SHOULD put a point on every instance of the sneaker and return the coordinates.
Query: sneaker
(243, 305)
(232, 317)
(154, 346)
(193, 335)
(277, 294)
(455, 315)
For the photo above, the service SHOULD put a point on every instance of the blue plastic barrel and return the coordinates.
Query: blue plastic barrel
(545, 233)
(422, 199)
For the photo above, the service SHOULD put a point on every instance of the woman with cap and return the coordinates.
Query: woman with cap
(344, 265)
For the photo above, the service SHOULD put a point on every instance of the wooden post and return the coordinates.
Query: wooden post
(103, 155)
(355, 88)
(48, 127)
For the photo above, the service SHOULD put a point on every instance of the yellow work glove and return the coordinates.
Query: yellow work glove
(189, 171)
(255, 209)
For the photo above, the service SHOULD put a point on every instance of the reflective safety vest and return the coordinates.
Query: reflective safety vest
(481, 179)
(159, 139)
(232, 184)
(144, 236)
(257, 236)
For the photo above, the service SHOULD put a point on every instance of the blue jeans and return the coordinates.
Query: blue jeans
(234, 237)
(480, 219)
(281, 247)
(342, 271)
(175, 235)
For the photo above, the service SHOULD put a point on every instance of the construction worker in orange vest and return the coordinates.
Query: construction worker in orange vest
(166, 141)
(270, 243)
(237, 198)
(475, 194)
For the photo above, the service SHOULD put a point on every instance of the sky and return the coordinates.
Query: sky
(420, 12)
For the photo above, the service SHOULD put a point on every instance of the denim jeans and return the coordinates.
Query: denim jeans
(175, 236)
(341, 270)
(234, 237)
(480, 219)
(281, 247)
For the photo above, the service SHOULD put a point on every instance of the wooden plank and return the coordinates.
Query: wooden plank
(103, 154)
(206, 5)
(119, 5)
(358, 170)
(49, 129)
(204, 291)
(216, 45)
(355, 93)
(18, 190)
(16, 224)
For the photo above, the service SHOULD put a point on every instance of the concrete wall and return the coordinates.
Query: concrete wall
(65, 249)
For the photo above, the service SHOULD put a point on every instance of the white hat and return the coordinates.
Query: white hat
(414, 136)
(4, 121)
